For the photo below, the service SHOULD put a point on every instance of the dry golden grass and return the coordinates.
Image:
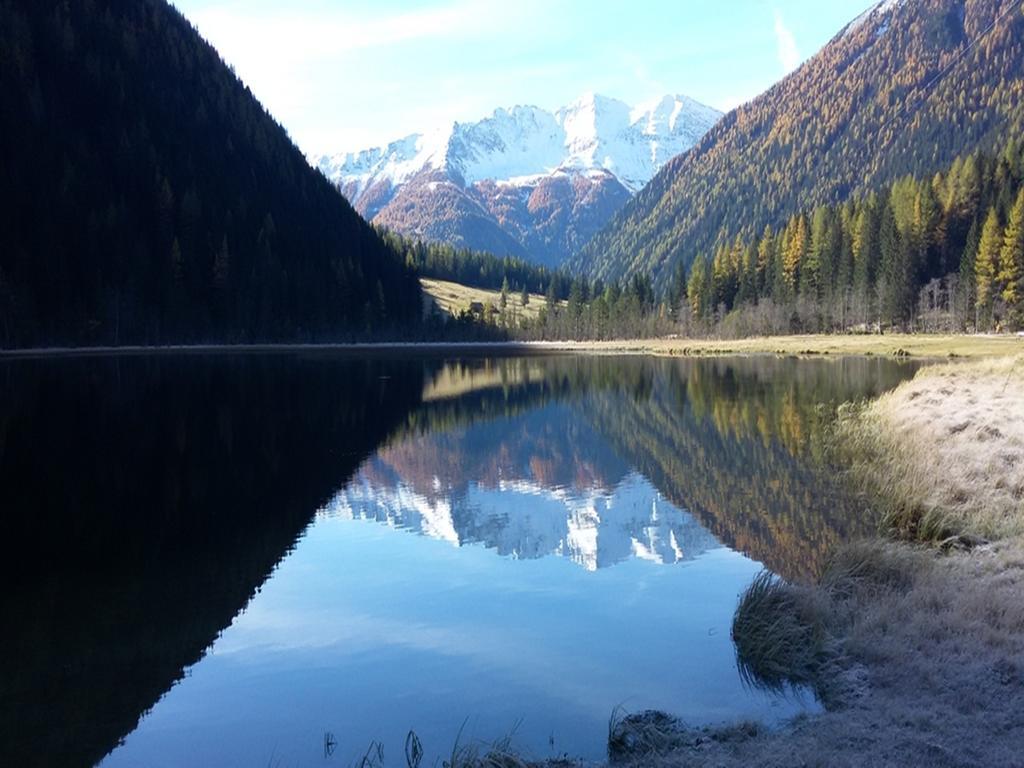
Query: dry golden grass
(944, 452)
(890, 345)
(454, 298)
(925, 667)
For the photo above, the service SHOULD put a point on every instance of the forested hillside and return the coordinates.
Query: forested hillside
(903, 90)
(944, 252)
(149, 198)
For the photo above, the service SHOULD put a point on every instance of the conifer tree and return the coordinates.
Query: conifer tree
(892, 268)
(222, 265)
(551, 299)
(698, 288)
(765, 261)
(864, 255)
(986, 266)
(966, 283)
(1011, 262)
(816, 273)
(748, 275)
(794, 253)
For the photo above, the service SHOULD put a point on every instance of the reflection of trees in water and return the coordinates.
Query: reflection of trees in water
(144, 501)
(543, 443)
(739, 442)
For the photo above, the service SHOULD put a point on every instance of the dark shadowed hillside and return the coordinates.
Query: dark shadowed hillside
(904, 89)
(149, 198)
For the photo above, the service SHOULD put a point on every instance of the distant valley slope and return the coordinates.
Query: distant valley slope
(905, 88)
(524, 181)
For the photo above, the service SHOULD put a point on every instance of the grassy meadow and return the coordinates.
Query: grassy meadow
(887, 345)
(453, 298)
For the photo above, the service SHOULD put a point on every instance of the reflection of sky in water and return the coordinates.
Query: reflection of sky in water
(367, 632)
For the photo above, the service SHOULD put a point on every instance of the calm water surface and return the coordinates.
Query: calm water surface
(217, 560)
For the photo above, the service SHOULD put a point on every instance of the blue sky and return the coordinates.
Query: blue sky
(349, 74)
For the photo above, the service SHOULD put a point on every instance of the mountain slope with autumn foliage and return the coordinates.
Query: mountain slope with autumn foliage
(904, 89)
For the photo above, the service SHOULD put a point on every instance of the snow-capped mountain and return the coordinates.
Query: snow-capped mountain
(523, 181)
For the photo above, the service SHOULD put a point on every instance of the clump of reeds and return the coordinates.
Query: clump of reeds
(779, 630)
(498, 754)
(786, 634)
(642, 734)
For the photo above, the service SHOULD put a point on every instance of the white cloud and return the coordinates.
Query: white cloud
(788, 53)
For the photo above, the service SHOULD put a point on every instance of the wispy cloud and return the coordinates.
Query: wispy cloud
(788, 53)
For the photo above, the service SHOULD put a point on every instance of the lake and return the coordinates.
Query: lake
(295, 559)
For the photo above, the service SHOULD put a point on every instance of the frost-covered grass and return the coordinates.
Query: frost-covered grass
(924, 666)
(944, 452)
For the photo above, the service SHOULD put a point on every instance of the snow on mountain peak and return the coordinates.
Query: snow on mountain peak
(593, 134)
(881, 8)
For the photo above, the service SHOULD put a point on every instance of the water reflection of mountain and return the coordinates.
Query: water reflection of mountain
(145, 500)
(540, 484)
(737, 443)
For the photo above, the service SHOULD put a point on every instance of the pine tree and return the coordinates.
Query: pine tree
(1011, 262)
(576, 299)
(892, 269)
(698, 288)
(864, 248)
(177, 263)
(222, 265)
(748, 276)
(813, 280)
(986, 266)
(551, 298)
(765, 261)
(723, 276)
(794, 252)
(677, 290)
(966, 284)
(504, 293)
(844, 263)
